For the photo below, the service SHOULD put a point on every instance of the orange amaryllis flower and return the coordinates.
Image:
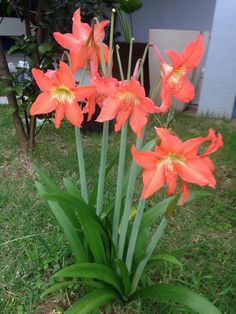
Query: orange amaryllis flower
(97, 98)
(174, 158)
(125, 99)
(83, 43)
(174, 78)
(60, 93)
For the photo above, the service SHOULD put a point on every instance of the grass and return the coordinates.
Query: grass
(201, 235)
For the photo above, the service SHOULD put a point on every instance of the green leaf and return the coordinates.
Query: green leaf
(178, 294)
(56, 287)
(68, 229)
(130, 6)
(92, 228)
(92, 301)
(19, 90)
(165, 257)
(124, 276)
(44, 47)
(72, 189)
(50, 185)
(93, 271)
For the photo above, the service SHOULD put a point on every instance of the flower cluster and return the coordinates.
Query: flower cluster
(126, 100)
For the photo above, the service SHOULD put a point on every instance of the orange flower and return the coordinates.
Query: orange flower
(60, 93)
(174, 78)
(83, 43)
(97, 98)
(125, 99)
(174, 158)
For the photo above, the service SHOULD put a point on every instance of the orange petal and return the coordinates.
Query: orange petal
(64, 76)
(43, 81)
(176, 59)
(59, 115)
(185, 190)
(122, 116)
(153, 180)
(80, 30)
(109, 110)
(148, 105)
(74, 113)
(83, 92)
(184, 90)
(138, 120)
(193, 53)
(67, 41)
(195, 171)
(169, 142)
(43, 104)
(78, 55)
(147, 160)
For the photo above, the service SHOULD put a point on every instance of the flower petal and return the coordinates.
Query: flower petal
(59, 115)
(80, 30)
(67, 41)
(176, 59)
(193, 53)
(43, 81)
(43, 104)
(79, 55)
(185, 190)
(64, 76)
(148, 105)
(83, 92)
(169, 142)
(196, 171)
(74, 113)
(109, 110)
(153, 180)
(138, 120)
(184, 90)
(122, 116)
(147, 160)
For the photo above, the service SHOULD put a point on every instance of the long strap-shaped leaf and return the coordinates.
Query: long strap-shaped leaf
(178, 294)
(93, 300)
(67, 227)
(94, 271)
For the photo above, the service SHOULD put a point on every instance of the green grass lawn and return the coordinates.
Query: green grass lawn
(32, 248)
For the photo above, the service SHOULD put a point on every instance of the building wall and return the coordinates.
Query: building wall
(219, 84)
(172, 14)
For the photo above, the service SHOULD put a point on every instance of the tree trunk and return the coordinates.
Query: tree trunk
(11, 97)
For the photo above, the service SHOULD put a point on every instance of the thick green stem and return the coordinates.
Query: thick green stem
(102, 170)
(150, 249)
(119, 62)
(119, 186)
(80, 154)
(128, 201)
(134, 234)
(130, 58)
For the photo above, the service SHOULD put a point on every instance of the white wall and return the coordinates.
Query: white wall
(172, 14)
(219, 83)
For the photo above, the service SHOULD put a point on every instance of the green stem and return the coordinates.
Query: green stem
(128, 201)
(150, 249)
(119, 62)
(111, 35)
(102, 170)
(105, 135)
(83, 180)
(130, 58)
(103, 62)
(134, 234)
(119, 186)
